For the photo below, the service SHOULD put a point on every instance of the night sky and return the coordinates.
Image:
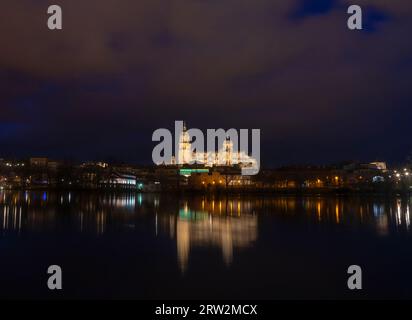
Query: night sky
(121, 69)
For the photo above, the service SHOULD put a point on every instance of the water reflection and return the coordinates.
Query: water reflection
(226, 224)
(209, 225)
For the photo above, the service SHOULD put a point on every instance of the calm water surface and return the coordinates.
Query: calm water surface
(146, 246)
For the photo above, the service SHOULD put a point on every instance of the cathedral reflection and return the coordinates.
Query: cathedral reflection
(224, 224)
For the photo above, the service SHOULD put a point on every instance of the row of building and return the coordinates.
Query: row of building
(46, 173)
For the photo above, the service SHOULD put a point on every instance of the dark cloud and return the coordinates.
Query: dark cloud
(374, 17)
(121, 69)
(307, 8)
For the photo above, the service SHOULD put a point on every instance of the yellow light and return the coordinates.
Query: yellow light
(337, 213)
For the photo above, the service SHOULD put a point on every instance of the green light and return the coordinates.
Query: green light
(187, 214)
(185, 172)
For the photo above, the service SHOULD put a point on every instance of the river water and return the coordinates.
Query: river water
(159, 246)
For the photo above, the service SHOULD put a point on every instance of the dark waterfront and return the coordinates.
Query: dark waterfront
(150, 246)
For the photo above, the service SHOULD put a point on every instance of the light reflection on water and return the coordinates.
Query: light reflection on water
(228, 224)
(203, 227)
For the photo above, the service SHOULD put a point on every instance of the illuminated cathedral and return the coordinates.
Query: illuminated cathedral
(225, 156)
